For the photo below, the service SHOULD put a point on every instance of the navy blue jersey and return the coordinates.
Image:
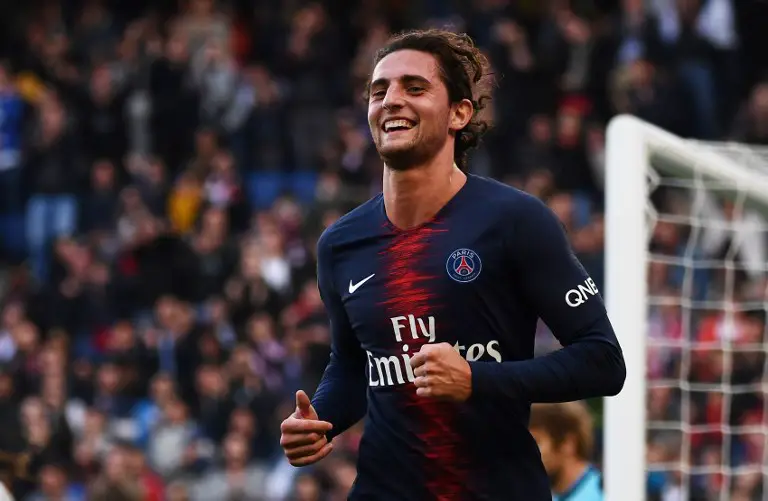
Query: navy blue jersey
(478, 276)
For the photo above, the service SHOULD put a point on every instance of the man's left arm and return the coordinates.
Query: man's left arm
(557, 287)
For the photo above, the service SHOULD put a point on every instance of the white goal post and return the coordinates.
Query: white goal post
(636, 150)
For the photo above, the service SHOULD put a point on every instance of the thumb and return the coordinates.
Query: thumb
(304, 408)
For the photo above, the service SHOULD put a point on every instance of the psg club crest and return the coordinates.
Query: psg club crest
(463, 265)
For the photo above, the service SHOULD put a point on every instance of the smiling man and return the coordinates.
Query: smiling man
(434, 289)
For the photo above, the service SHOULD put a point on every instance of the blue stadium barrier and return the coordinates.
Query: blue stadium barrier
(263, 188)
(303, 185)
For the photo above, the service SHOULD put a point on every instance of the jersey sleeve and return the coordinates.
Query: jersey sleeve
(341, 395)
(554, 284)
(553, 281)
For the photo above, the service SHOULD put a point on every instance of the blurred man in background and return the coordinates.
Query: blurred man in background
(564, 433)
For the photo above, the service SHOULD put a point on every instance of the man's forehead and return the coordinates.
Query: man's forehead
(406, 62)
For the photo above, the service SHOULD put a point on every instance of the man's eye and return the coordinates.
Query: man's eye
(415, 89)
(378, 94)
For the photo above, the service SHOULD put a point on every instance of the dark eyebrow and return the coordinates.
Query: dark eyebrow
(379, 82)
(414, 79)
(383, 82)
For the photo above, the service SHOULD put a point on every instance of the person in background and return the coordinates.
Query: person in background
(563, 432)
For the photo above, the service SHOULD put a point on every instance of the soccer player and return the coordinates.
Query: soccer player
(563, 432)
(434, 289)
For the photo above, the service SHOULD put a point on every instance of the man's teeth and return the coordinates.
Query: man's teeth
(397, 124)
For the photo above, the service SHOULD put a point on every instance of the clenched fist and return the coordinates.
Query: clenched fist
(303, 434)
(442, 373)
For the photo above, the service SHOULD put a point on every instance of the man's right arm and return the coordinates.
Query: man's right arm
(341, 396)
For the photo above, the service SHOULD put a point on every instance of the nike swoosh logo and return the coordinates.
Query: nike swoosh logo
(354, 287)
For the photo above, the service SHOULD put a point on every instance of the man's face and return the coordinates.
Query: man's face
(551, 455)
(408, 109)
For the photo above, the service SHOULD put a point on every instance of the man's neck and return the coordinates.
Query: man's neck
(414, 196)
(570, 474)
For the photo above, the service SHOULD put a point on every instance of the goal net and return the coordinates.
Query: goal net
(686, 289)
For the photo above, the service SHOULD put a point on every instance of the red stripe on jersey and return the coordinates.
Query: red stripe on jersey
(409, 290)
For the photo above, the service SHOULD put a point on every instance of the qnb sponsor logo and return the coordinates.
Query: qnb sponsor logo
(581, 294)
(395, 370)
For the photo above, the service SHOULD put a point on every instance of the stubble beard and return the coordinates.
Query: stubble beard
(411, 155)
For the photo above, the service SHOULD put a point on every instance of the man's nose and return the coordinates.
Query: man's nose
(393, 99)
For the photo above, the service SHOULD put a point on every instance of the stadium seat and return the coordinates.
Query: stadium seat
(263, 188)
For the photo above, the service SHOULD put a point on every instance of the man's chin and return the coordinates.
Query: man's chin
(399, 157)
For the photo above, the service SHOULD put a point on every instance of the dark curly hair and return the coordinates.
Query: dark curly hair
(464, 70)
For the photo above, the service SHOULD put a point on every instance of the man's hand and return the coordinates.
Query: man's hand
(441, 373)
(303, 434)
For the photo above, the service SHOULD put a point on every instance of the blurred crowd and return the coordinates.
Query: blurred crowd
(167, 166)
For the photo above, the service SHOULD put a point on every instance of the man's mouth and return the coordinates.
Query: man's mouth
(397, 124)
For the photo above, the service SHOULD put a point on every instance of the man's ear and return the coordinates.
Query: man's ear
(570, 445)
(461, 114)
